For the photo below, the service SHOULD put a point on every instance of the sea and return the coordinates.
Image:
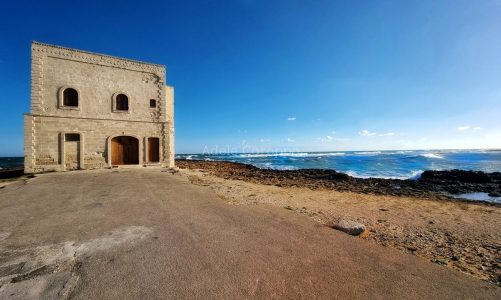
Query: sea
(406, 164)
(11, 162)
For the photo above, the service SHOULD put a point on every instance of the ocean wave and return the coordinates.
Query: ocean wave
(431, 155)
(289, 154)
(284, 168)
(414, 175)
(269, 165)
(404, 152)
(368, 153)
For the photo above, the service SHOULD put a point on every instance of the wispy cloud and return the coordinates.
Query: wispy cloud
(468, 127)
(289, 140)
(366, 133)
(326, 138)
(291, 119)
(387, 134)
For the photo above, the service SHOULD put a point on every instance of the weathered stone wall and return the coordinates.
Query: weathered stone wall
(94, 134)
(97, 78)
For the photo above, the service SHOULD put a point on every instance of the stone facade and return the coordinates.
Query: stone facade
(98, 131)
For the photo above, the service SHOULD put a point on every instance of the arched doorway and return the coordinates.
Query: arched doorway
(124, 150)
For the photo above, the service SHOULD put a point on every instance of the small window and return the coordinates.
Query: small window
(122, 102)
(70, 97)
(153, 103)
(72, 137)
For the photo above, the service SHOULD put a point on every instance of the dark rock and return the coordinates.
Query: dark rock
(11, 173)
(456, 176)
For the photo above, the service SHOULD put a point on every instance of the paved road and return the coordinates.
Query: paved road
(148, 234)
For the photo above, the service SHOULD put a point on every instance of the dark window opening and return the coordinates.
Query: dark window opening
(122, 102)
(70, 97)
(72, 137)
(153, 103)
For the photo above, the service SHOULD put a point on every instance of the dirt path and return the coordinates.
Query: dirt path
(463, 236)
(151, 234)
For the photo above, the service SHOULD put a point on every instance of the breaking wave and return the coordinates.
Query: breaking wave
(431, 155)
(414, 175)
(289, 154)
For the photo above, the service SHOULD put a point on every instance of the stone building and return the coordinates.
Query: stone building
(92, 111)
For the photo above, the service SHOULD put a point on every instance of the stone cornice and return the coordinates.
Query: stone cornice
(96, 58)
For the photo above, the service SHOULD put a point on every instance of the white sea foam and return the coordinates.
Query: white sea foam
(289, 154)
(368, 153)
(415, 175)
(431, 155)
(284, 168)
(404, 152)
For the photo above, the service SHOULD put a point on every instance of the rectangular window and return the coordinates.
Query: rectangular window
(72, 137)
(153, 103)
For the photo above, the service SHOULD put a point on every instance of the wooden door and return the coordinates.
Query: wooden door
(153, 150)
(124, 150)
(116, 151)
(130, 151)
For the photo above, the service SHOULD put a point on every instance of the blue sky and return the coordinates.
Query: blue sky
(274, 75)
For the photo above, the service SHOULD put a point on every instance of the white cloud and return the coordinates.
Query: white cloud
(387, 134)
(326, 138)
(291, 119)
(366, 133)
(468, 127)
(290, 140)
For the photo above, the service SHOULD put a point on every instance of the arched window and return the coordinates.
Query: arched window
(122, 102)
(70, 97)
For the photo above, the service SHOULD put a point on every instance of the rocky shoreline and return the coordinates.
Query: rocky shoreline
(11, 172)
(442, 185)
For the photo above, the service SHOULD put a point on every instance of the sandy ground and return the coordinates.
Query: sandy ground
(462, 236)
(150, 234)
